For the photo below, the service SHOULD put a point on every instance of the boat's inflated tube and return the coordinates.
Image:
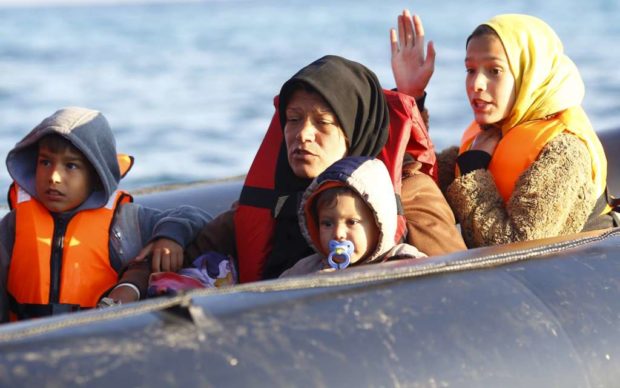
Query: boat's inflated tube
(543, 313)
(538, 313)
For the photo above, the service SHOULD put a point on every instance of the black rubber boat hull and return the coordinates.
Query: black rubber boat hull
(540, 313)
(544, 314)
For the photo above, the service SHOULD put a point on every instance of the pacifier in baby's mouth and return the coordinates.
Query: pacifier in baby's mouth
(340, 254)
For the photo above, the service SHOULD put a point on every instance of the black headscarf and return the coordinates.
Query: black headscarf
(356, 97)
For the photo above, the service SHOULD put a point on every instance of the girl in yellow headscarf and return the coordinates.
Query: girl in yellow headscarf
(530, 165)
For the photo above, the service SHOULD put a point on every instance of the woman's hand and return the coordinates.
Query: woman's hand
(167, 255)
(411, 68)
(487, 140)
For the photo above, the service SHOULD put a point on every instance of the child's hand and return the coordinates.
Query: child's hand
(412, 70)
(124, 294)
(167, 255)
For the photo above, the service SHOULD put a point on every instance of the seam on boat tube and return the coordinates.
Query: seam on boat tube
(102, 315)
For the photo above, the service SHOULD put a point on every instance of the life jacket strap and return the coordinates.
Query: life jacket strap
(614, 203)
(400, 210)
(32, 310)
(602, 205)
(287, 205)
(258, 197)
(280, 205)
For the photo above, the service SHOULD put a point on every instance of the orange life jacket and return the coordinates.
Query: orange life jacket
(57, 267)
(60, 268)
(254, 215)
(520, 147)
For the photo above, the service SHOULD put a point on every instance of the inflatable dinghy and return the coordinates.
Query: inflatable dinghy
(542, 313)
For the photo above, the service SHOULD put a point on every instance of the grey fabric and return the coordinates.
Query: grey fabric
(307, 265)
(136, 225)
(89, 131)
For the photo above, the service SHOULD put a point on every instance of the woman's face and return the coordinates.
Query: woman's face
(489, 83)
(313, 136)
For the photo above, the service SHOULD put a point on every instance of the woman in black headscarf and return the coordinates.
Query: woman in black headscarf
(330, 109)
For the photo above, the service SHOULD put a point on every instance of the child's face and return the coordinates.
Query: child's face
(63, 179)
(489, 83)
(348, 219)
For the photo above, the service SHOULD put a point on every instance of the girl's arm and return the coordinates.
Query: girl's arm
(430, 221)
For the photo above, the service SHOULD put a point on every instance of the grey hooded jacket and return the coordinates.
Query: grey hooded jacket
(133, 226)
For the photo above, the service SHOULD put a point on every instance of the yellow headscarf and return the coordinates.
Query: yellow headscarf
(546, 80)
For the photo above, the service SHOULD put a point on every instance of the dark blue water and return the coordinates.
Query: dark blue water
(188, 87)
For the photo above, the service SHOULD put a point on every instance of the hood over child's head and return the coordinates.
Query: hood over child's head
(85, 129)
(369, 179)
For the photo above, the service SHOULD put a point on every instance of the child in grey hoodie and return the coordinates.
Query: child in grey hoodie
(348, 214)
(70, 236)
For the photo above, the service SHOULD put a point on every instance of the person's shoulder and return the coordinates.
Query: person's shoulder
(132, 213)
(411, 169)
(7, 222)
(7, 234)
(130, 207)
(566, 146)
(127, 216)
(568, 140)
(404, 251)
(307, 265)
(416, 180)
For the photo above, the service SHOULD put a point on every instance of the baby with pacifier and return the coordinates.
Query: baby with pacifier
(348, 214)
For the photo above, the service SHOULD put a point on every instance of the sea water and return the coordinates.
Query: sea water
(188, 86)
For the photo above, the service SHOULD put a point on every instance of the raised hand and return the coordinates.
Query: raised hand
(412, 69)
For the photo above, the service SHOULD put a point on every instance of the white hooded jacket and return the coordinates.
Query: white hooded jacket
(369, 178)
